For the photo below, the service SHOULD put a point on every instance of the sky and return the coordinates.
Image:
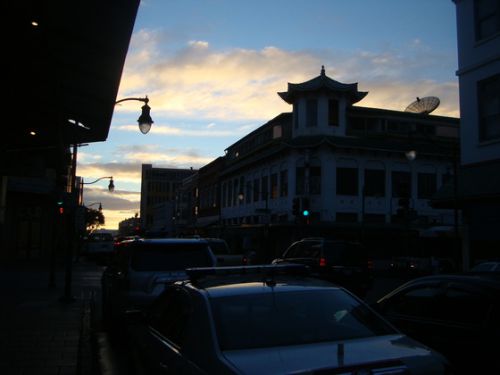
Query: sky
(212, 69)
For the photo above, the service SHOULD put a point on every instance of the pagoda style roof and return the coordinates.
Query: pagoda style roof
(322, 83)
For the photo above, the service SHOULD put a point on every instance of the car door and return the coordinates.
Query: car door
(416, 311)
(464, 335)
(161, 343)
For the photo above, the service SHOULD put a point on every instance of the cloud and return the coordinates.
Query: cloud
(241, 84)
(180, 132)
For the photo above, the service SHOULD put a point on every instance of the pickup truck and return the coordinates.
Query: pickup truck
(223, 253)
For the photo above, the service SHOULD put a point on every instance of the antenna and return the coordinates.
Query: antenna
(423, 105)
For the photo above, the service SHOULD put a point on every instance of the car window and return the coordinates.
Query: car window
(170, 257)
(293, 251)
(170, 314)
(219, 247)
(419, 301)
(292, 318)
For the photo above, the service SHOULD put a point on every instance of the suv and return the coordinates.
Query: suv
(342, 262)
(141, 268)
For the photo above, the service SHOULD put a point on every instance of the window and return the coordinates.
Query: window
(315, 180)
(256, 190)
(347, 217)
(284, 183)
(347, 181)
(401, 184)
(264, 187)
(230, 193)
(489, 108)
(426, 185)
(248, 193)
(312, 112)
(486, 18)
(374, 183)
(277, 131)
(333, 112)
(224, 194)
(274, 186)
(299, 180)
(421, 301)
(295, 116)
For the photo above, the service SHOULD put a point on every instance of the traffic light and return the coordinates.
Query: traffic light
(296, 206)
(305, 207)
(60, 206)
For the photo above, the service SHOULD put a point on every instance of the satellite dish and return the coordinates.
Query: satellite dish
(423, 105)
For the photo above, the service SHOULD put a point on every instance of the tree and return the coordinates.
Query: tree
(93, 219)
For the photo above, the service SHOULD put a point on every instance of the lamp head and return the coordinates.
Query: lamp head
(145, 121)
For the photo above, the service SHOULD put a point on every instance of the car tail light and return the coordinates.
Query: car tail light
(322, 262)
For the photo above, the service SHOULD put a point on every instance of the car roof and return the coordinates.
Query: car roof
(226, 281)
(247, 287)
(485, 282)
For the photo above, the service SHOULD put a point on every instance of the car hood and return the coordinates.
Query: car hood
(396, 352)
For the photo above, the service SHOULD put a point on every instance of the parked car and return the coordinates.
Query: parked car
(457, 315)
(343, 262)
(270, 319)
(141, 268)
(98, 245)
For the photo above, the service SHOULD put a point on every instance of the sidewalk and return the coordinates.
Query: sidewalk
(39, 334)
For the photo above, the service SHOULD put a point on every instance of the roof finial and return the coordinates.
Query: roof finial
(322, 70)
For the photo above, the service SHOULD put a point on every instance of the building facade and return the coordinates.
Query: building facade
(159, 186)
(478, 36)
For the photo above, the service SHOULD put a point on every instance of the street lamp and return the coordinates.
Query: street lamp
(145, 121)
(111, 187)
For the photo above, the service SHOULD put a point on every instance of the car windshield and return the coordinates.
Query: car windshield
(170, 257)
(292, 318)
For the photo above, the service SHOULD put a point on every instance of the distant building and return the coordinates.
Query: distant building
(158, 185)
(478, 190)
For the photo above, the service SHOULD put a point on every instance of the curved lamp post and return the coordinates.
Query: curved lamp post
(145, 121)
(111, 187)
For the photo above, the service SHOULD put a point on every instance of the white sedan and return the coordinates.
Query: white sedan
(259, 320)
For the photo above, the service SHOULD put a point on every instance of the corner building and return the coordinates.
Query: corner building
(346, 165)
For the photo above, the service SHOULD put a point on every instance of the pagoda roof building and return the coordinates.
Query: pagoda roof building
(322, 83)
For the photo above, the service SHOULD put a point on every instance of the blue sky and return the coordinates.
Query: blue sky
(212, 69)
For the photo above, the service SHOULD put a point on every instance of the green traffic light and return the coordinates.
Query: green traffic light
(305, 213)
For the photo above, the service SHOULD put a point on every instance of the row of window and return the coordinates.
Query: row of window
(312, 113)
(308, 181)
